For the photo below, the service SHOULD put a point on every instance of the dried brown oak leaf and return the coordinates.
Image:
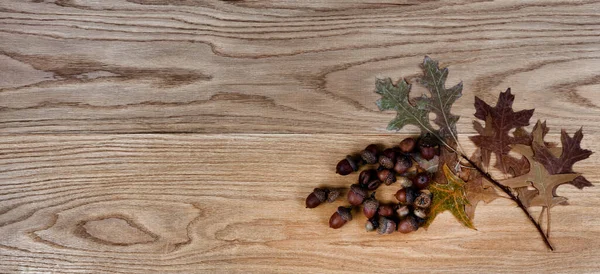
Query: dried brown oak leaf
(570, 153)
(449, 197)
(495, 137)
(544, 182)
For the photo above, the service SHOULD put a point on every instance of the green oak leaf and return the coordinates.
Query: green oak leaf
(449, 197)
(416, 112)
(395, 97)
(441, 100)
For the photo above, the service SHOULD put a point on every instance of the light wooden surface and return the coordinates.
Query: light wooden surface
(183, 136)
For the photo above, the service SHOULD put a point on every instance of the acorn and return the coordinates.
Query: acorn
(371, 224)
(421, 181)
(388, 158)
(406, 195)
(356, 195)
(340, 217)
(428, 153)
(408, 225)
(386, 210)
(318, 196)
(386, 226)
(369, 154)
(370, 206)
(428, 147)
(366, 176)
(408, 145)
(374, 184)
(402, 211)
(387, 176)
(346, 166)
(403, 163)
(423, 200)
(420, 212)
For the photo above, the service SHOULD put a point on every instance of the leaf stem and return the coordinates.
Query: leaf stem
(512, 196)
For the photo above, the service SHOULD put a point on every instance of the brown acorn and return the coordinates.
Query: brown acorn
(374, 184)
(387, 176)
(423, 200)
(421, 181)
(366, 176)
(340, 217)
(370, 206)
(386, 226)
(408, 225)
(428, 153)
(403, 211)
(318, 196)
(356, 195)
(386, 210)
(428, 147)
(406, 196)
(388, 158)
(408, 145)
(346, 166)
(403, 163)
(369, 154)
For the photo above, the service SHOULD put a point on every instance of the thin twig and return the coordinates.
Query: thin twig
(548, 222)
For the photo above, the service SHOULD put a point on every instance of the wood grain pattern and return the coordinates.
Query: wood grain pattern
(179, 136)
(183, 203)
(216, 67)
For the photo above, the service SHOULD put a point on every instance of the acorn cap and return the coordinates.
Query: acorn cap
(321, 194)
(344, 213)
(423, 200)
(369, 156)
(386, 162)
(333, 195)
(371, 203)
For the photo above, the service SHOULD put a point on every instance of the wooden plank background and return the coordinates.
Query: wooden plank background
(183, 135)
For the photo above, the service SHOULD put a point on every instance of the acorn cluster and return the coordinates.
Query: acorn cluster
(399, 164)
